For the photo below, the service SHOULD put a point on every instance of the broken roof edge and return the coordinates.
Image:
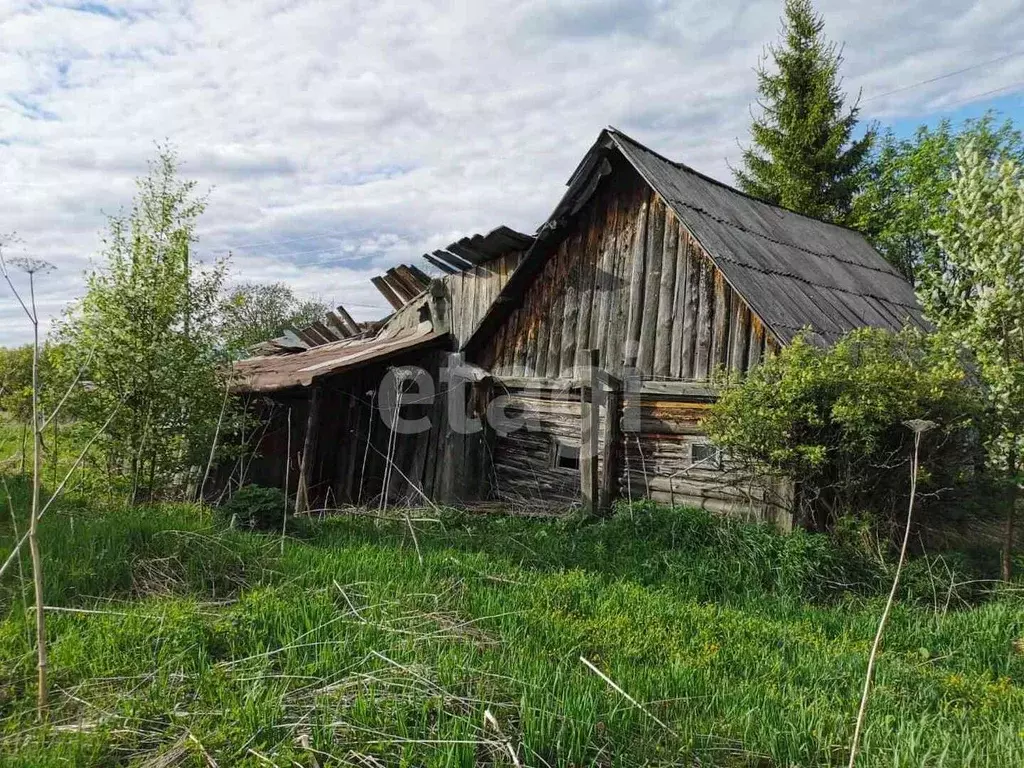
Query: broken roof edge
(302, 369)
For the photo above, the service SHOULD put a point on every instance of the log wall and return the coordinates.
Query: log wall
(628, 279)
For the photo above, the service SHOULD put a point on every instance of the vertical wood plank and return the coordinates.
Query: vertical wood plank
(636, 286)
(691, 308)
(653, 249)
(720, 322)
(309, 445)
(611, 448)
(554, 318)
(664, 337)
(739, 336)
(705, 302)
(618, 290)
(604, 281)
(589, 255)
(589, 436)
(542, 322)
(571, 307)
(679, 304)
(756, 342)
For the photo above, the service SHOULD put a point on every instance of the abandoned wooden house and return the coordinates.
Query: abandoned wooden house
(597, 338)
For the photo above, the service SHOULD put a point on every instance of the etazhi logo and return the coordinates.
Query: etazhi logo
(409, 399)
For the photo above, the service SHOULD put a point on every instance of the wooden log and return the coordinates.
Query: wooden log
(666, 300)
(553, 319)
(635, 313)
(705, 305)
(589, 436)
(589, 255)
(654, 247)
(571, 307)
(604, 281)
(720, 322)
(739, 336)
(309, 448)
(756, 342)
(691, 302)
(611, 447)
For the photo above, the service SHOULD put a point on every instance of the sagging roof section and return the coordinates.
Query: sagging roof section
(279, 372)
(337, 342)
(795, 272)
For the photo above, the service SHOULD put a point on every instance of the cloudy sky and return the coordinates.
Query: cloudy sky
(337, 138)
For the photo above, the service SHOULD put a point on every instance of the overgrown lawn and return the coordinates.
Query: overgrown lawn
(183, 641)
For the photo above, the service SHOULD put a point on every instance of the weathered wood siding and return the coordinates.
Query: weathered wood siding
(471, 293)
(659, 435)
(525, 466)
(629, 280)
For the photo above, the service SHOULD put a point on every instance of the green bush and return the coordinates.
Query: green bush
(833, 418)
(256, 507)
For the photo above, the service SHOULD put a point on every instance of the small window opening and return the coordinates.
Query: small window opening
(706, 456)
(567, 456)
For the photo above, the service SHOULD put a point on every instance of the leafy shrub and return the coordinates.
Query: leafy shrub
(256, 507)
(833, 419)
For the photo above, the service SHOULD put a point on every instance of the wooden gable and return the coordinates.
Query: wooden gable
(627, 278)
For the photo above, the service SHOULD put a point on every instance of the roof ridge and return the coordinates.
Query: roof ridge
(689, 169)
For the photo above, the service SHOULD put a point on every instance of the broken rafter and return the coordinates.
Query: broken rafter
(386, 290)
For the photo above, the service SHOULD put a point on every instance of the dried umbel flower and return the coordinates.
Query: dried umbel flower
(31, 265)
(917, 426)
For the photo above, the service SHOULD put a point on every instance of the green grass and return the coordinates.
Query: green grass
(749, 646)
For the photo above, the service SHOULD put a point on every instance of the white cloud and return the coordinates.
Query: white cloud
(337, 138)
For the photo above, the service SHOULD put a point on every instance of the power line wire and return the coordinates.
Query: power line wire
(943, 76)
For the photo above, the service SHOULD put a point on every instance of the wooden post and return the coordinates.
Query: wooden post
(308, 449)
(591, 404)
(611, 453)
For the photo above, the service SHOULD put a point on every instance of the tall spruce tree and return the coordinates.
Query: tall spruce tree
(802, 155)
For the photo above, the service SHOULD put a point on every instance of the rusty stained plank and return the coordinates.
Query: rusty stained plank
(755, 350)
(720, 322)
(739, 335)
(604, 283)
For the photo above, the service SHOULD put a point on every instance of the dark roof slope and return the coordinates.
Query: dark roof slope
(794, 271)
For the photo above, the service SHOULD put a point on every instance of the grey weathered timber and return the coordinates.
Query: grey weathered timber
(720, 322)
(653, 248)
(705, 304)
(388, 292)
(590, 421)
(666, 339)
(636, 287)
(309, 445)
(739, 337)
